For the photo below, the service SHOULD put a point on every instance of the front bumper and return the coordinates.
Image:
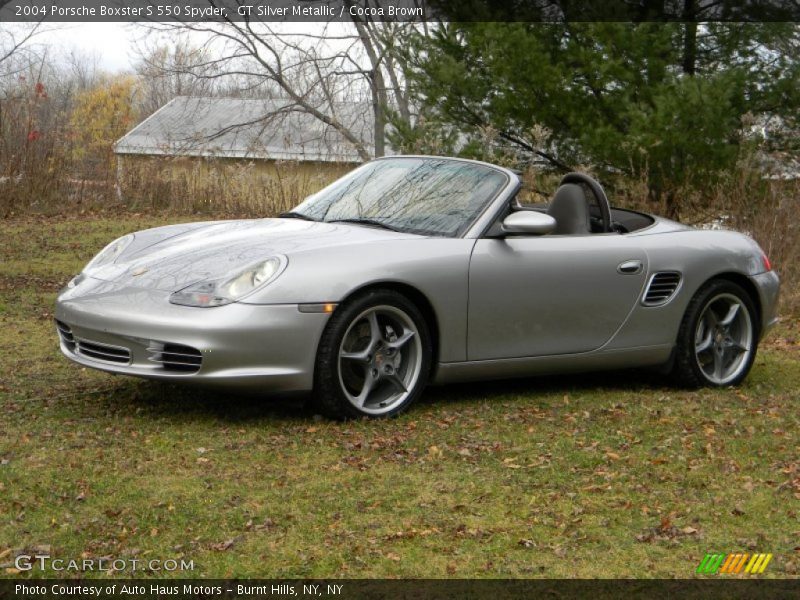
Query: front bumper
(131, 330)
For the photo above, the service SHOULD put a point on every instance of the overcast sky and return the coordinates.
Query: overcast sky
(113, 43)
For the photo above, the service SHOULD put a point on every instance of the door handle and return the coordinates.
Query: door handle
(630, 267)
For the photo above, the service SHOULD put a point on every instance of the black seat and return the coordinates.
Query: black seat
(570, 210)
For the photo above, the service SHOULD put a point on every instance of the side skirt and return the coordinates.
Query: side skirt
(644, 356)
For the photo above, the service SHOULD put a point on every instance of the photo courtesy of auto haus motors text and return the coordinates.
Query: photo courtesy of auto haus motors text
(137, 590)
(399, 298)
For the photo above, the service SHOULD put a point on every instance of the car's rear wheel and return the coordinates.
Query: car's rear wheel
(374, 357)
(718, 337)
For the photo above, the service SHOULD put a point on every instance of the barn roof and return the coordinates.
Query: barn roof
(246, 128)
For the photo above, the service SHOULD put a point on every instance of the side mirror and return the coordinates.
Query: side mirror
(529, 222)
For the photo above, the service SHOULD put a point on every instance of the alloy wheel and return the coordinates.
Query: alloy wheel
(723, 340)
(380, 359)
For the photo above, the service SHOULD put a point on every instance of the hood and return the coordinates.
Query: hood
(212, 250)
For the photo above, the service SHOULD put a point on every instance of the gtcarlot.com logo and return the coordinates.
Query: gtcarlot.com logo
(26, 562)
(750, 564)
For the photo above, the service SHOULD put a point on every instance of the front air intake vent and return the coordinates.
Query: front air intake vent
(103, 352)
(661, 288)
(176, 357)
(65, 333)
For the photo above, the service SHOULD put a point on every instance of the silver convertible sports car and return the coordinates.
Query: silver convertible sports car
(417, 269)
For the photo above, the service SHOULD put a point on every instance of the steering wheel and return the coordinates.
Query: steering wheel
(597, 191)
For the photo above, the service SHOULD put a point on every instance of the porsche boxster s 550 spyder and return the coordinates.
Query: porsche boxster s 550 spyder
(415, 269)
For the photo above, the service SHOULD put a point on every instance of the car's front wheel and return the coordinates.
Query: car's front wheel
(374, 357)
(718, 337)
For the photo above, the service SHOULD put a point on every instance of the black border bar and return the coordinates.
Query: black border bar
(542, 11)
(400, 589)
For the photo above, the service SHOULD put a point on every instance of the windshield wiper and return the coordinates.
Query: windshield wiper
(295, 215)
(361, 221)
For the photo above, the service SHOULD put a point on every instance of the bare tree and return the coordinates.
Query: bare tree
(328, 71)
(166, 71)
(16, 52)
(81, 68)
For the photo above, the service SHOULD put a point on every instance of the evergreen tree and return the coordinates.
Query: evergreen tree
(665, 101)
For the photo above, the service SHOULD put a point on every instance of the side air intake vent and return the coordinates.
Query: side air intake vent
(661, 288)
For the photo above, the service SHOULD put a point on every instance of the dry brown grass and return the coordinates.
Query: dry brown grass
(167, 185)
(767, 211)
(256, 188)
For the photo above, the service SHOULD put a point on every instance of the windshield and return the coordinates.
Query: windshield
(429, 196)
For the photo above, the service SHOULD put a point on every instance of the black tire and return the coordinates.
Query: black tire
(332, 394)
(691, 366)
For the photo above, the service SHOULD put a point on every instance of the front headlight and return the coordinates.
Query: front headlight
(232, 287)
(110, 253)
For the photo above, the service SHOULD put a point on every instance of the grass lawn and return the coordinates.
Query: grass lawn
(609, 475)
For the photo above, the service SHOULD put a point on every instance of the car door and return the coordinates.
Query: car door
(546, 295)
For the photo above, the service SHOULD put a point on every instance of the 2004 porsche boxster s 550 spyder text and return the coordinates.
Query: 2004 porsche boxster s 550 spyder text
(412, 269)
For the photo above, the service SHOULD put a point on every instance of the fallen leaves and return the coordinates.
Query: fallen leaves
(223, 546)
(595, 489)
(411, 534)
(667, 532)
(689, 530)
(265, 525)
(792, 470)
